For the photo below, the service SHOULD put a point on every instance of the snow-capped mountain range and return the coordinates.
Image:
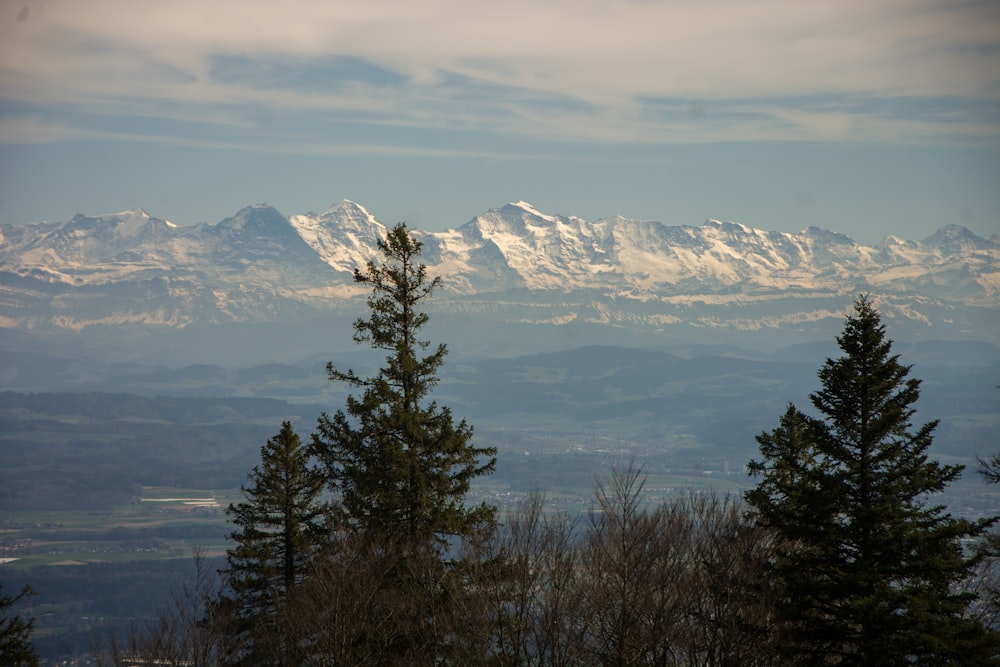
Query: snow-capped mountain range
(515, 262)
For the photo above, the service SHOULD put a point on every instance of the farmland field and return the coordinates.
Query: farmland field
(163, 523)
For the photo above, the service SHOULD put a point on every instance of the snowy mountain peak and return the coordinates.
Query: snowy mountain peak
(522, 213)
(825, 235)
(130, 213)
(258, 217)
(955, 238)
(730, 227)
(344, 236)
(530, 210)
(248, 264)
(121, 225)
(348, 207)
(347, 218)
(260, 239)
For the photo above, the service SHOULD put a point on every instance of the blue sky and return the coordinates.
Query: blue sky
(867, 118)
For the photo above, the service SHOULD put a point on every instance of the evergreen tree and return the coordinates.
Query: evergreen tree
(400, 469)
(870, 567)
(15, 632)
(401, 466)
(279, 524)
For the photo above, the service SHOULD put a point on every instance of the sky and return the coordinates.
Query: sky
(869, 117)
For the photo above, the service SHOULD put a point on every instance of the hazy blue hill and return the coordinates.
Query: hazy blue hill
(30, 371)
(273, 371)
(952, 353)
(201, 373)
(652, 398)
(923, 353)
(710, 398)
(592, 361)
(100, 406)
(813, 352)
(608, 375)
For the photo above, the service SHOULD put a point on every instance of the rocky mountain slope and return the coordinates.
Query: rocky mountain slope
(511, 264)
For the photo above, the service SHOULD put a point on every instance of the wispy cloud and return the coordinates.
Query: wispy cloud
(582, 70)
(30, 130)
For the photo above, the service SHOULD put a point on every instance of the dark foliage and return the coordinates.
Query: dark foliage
(278, 527)
(870, 566)
(398, 462)
(16, 649)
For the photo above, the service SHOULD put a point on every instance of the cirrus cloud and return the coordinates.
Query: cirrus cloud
(587, 70)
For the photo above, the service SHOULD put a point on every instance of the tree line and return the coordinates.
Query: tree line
(359, 547)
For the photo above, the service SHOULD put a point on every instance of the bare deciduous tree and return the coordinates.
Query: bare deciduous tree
(677, 583)
(183, 632)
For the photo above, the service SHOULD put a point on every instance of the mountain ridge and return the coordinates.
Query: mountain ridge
(513, 263)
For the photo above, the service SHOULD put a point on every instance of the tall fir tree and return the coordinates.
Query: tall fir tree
(400, 469)
(870, 567)
(278, 526)
(399, 462)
